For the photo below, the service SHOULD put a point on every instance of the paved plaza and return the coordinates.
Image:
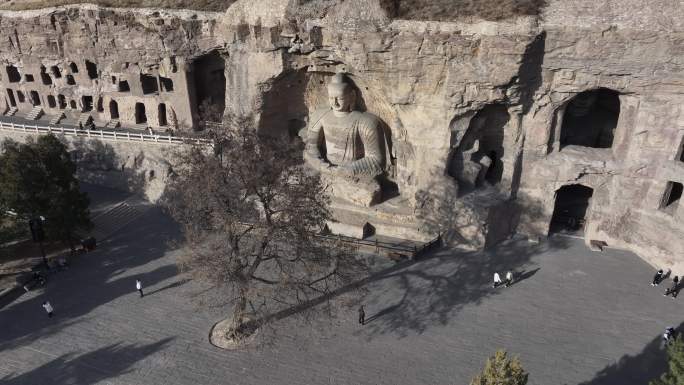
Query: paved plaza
(575, 317)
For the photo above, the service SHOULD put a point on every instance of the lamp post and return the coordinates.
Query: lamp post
(38, 235)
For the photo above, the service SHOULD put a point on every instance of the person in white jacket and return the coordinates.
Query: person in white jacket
(497, 280)
(48, 308)
(138, 286)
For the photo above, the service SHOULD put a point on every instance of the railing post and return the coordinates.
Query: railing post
(23, 126)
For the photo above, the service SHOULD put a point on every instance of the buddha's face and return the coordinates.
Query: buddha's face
(340, 99)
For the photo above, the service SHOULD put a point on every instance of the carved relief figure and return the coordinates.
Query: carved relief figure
(348, 146)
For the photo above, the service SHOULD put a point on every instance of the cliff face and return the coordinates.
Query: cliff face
(487, 121)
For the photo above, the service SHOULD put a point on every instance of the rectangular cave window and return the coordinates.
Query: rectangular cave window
(61, 101)
(87, 102)
(673, 193)
(13, 74)
(51, 101)
(91, 68)
(166, 84)
(70, 80)
(113, 79)
(680, 153)
(149, 84)
(56, 72)
(29, 78)
(123, 86)
(45, 78)
(21, 97)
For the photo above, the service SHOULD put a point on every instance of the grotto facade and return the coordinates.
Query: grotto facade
(567, 122)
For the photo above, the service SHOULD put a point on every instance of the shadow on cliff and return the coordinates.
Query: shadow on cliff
(93, 280)
(88, 368)
(638, 369)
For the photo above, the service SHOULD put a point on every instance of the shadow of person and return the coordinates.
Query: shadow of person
(524, 275)
(382, 313)
(169, 286)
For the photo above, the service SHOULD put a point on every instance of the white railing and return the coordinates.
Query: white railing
(101, 134)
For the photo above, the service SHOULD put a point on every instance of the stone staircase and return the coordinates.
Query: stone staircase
(12, 111)
(57, 118)
(112, 124)
(116, 218)
(85, 120)
(140, 126)
(35, 113)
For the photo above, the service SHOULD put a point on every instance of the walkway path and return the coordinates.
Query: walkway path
(572, 319)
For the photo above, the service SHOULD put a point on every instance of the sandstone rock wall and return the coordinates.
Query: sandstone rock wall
(447, 93)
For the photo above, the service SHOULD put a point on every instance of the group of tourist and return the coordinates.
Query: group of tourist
(670, 332)
(673, 290)
(507, 283)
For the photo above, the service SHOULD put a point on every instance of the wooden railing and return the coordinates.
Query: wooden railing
(102, 134)
(412, 252)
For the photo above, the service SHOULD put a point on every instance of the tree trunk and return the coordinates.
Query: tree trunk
(236, 331)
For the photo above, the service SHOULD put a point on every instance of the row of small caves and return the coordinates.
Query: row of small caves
(589, 119)
(206, 88)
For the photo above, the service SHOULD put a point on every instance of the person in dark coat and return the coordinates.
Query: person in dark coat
(362, 316)
(674, 289)
(657, 278)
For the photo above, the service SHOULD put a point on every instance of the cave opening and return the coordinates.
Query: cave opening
(590, 119)
(21, 97)
(13, 75)
(52, 103)
(100, 107)
(87, 102)
(44, 77)
(671, 198)
(61, 100)
(123, 86)
(72, 104)
(140, 116)
(478, 156)
(73, 68)
(166, 84)
(56, 72)
(569, 212)
(161, 114)
(35, 98)
(113, 109)
(210, 86)
(70, 80)
(10, 95)
(148, 84)
(91, 69)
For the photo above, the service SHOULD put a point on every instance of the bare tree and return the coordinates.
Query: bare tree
(251, 213)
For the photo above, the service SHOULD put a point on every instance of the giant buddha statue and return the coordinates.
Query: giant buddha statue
(348, 146)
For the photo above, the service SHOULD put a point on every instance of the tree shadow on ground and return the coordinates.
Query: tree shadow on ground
(648, 365)
(433, 290)
(88, 368)
(93, 280)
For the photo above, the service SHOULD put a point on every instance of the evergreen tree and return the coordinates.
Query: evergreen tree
(500, 370)
(37, 178)
(675, 358)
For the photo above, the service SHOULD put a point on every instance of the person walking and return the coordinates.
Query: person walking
(674, 288)
(657, 278)
(362, 316)
(669, 334)
(138, 286)
(509, 278)
(48, 308)
(497, 280)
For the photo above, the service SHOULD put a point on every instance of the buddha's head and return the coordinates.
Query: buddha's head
(340, 94)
